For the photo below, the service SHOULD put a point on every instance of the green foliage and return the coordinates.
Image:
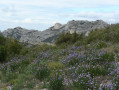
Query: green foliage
(83, 83)
(102, 36)
(63, 38)
(98, 70)
(9, 48)
(3, 50)
(77, 61)
(55, 65)
(25, 81)
(115, 74)
(13, 82)
(13, 47)
(43, 47)
(94, 36)
(5, 88)
(2, 40)
(0, 74)
(8, 75)
(3, 54)
(42, 72)
(56, 83)
(74, 37)
(102, 59)
(68, 38)
(101, 44)
(109, 34)
(33, 51)
(24, 51)
(81, 42)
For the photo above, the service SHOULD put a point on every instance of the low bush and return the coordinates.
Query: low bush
(84, 82)
(69, 38)
(13, 47)
(115, 75)
(101, 44)
(42, 72)
(2, 40)
(8, 75)
(56, 82)
(0, 74)
(55, 65)
(9, 48)
(25, 81)
(3, 54)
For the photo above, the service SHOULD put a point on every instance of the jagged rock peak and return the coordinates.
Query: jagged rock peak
(84, 25)
(85, 21)
(57, 26)
(18, 28)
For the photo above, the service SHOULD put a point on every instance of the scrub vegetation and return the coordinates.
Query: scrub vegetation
(75, 62)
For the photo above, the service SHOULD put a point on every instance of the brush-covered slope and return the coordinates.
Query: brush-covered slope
(91, 63)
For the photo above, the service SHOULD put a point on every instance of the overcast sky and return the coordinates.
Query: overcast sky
(41, 14)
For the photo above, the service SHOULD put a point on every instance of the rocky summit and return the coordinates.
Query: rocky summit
(50, 35)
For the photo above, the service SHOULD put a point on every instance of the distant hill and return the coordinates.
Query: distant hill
(50, 35)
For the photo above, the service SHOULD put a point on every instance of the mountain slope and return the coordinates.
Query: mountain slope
(50, 35)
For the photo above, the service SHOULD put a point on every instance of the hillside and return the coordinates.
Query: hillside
(50, 35)
(89, 63)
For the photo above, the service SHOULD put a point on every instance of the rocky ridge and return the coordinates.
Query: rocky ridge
(50, 35)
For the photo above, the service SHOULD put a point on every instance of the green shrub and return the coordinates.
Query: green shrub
(84, 82)
(8, 75)
(63, 38)
(115, 75)
(13, 47)
(81, 42)
(0, 74)
(101, 44)
(9, 48)
(55, 65)
(2, 40)
(98, 70)
(102, 57)
(75, 37)
(109, 34)
(13, 82)
(5, 88)
(42, 72)
(41, 48)
(3, 54)
(25, 81)
(24, 51)
(68, 38)
(94, 36)
(56, 83)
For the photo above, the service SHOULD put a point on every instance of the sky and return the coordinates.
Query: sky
(42, 14)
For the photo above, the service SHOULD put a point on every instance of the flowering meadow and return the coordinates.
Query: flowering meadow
(79, 66)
